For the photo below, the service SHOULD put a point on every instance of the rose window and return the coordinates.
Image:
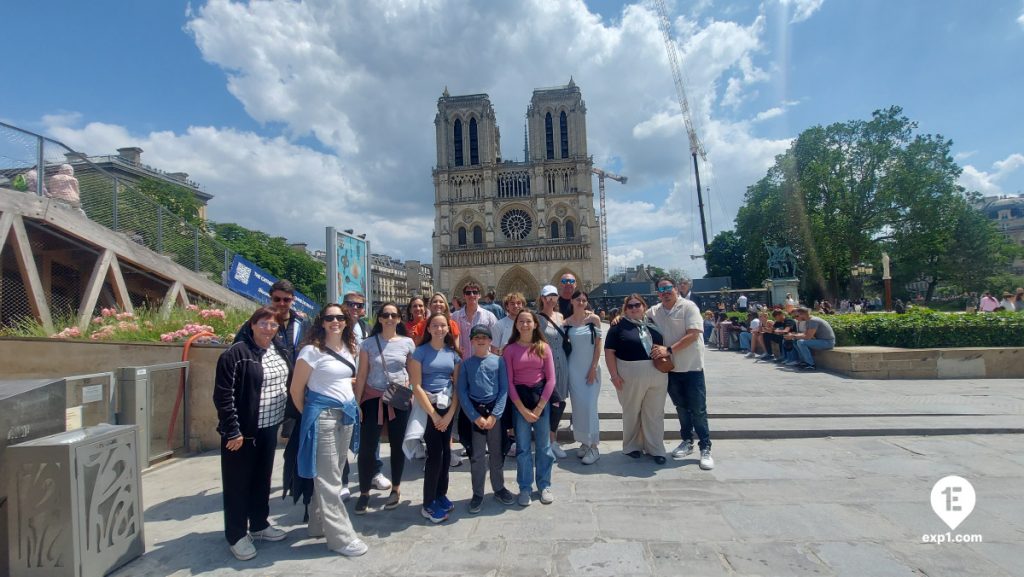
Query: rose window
(516, 224)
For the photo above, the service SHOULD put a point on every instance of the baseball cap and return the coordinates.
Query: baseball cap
(480, 330)
(548, 290)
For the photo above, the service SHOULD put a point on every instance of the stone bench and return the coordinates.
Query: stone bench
(896, 363)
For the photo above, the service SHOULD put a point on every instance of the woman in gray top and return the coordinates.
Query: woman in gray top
(551, 326)
(383, 358)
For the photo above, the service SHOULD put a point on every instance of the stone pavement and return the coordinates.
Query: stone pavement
(853, 506)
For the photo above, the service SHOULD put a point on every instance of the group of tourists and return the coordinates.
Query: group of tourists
(789, 339)
(425, 373)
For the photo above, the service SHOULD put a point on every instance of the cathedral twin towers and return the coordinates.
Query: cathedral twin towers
(514, 226)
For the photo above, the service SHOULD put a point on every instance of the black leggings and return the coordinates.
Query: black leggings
(439, 454)
(369, 439)
(555, 414)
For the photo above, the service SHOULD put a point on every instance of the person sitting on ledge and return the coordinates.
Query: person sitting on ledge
(818, 335)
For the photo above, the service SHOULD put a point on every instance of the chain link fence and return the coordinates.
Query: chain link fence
(106, 198)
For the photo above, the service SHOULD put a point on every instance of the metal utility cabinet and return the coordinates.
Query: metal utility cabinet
(74, 503)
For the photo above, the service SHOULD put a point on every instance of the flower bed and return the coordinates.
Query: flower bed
(144, 325)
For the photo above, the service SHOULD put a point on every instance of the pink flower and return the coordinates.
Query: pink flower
(191, 307)
(97, 320)
(108, 312)
(124, 316)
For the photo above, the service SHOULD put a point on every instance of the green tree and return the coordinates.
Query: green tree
(178, 199)
(273, 254)
(726, 257)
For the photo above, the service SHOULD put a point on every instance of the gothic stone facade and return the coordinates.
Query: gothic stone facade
(514, 226)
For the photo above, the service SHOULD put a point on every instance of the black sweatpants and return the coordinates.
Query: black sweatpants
(246, 480)
(369, 439)
(439, 459)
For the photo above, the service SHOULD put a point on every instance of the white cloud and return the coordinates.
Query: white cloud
(802, 9)
(768, 114)
(360, 81)
(989, 182)
(964, 155)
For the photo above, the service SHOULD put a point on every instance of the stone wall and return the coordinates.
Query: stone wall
(896, 363)
(39, 358)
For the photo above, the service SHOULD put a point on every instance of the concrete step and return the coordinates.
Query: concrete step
(818, 426)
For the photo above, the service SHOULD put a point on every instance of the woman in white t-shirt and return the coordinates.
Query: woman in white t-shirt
(322, 386)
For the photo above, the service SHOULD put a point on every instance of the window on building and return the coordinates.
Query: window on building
(549, 137)
(478, 235)
(462, 236)
(458, 142)
(570, 231)
(563, 129)
(474, 149)
(554, 229)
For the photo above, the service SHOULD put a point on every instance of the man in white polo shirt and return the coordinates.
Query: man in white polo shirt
(680, 323)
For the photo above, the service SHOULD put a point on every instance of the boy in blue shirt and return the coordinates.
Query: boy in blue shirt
(483, 391)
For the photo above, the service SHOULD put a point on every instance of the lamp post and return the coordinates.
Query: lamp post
(887, 281)
(861, 270)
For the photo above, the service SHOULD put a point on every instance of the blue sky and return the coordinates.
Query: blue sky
(298, 116)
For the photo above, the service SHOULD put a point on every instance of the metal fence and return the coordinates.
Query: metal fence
(30, 162)
(114, 202)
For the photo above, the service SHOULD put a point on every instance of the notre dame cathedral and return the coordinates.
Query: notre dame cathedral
(514, 226)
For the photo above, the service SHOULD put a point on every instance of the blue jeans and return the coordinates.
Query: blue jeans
(539, 434)
(689, 395)
(745, 339)
(803, 348)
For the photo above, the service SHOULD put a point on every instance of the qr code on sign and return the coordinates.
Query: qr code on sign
(242, 273)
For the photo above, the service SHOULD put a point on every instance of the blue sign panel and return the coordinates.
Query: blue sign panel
(247, 279)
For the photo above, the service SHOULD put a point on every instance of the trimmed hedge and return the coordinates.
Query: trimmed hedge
(923, 329)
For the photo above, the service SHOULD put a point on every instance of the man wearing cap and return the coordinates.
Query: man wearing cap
(680, 323)
(471, 315)
(567, 286)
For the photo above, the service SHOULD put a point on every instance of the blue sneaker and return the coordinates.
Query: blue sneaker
(434, 513)
(445, 503)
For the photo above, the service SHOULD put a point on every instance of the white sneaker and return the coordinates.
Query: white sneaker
(706, 461)
(271, 533)
(581, 451)
(345, 494)
(456, 460)
(546, 496)
(558, 451)
(244, 549)
(381, 483)
(354, 549)
(750, 355)
(592, 456)
(682, 450)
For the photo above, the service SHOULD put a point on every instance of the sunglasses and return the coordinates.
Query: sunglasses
(334, 318)
(634, 305)
(282, 299)
(268, 325)
(568, 281)
(666, 288)
(390, 315)
(467, 293)
(355, 305)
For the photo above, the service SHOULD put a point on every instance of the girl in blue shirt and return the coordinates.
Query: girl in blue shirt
(433, 369)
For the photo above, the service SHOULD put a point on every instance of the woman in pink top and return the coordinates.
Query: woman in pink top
(531, 380)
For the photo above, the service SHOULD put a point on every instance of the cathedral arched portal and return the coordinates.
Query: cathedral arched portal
(518, 279)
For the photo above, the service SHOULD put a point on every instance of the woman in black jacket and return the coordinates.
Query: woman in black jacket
(250, 393)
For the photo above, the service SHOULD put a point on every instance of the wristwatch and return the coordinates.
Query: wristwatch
(669, 349)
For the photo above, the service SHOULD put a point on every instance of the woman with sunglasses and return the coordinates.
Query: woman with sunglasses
(250, 393)
(584, 377)
(641, 388)
(531, 382)
(383, 359)
(551, 327)
(322, 386)
(433, 369)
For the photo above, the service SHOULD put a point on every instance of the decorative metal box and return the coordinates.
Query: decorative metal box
(74, 503)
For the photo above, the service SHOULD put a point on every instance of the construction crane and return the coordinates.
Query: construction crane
(601, 175)
(696, 146)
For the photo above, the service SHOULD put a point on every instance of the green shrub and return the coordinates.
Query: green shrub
(921, 329)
